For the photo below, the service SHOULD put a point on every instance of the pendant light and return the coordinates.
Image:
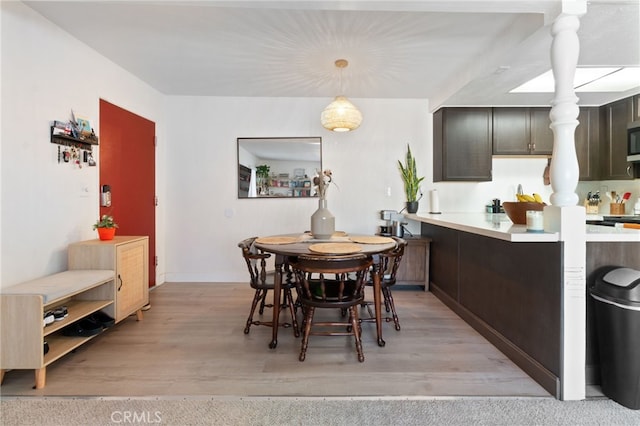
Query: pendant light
(341, 115)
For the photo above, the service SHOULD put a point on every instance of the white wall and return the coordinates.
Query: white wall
(207, 220)
(45, 74)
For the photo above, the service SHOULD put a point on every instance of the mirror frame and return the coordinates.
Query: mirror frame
(293, 162)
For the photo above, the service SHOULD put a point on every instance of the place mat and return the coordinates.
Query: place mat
(371, 239)
(334, 235)
(335, 248)
(277, 240)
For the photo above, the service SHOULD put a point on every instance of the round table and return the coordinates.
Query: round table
(283, 251)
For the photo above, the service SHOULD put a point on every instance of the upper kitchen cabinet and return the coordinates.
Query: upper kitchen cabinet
(541, 134)
(614, 119)
(522, 131)
(587, 139)
(462, 144)
(636, 108)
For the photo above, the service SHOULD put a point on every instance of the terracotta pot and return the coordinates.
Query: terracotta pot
(106, 233)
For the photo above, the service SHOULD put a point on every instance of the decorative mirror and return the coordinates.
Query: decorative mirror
(278, 167)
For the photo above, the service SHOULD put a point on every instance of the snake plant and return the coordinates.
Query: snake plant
(410, 176)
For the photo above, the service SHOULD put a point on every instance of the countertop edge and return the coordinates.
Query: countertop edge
(501, 228)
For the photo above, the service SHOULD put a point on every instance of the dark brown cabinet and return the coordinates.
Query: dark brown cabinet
(462, 144)
(464, 140)
(614, 119)
(636, 108)
(541, 133)
(522, 131)
(587, 138)
(511, 128)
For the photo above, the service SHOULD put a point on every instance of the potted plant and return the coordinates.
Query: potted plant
(106, 227)
(411, 181)
(262, 173)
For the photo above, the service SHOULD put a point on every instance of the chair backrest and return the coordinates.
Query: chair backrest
(390, 261)
(256, 263)
(331, 279)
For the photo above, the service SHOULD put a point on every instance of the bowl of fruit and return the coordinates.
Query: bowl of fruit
(517, 210)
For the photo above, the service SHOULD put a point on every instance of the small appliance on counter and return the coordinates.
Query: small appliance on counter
(495, 206)
(385, 230)
(394, 225)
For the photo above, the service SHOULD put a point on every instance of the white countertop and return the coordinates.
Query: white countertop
(499, 226)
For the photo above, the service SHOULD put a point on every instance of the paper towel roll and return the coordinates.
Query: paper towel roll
(434, 201)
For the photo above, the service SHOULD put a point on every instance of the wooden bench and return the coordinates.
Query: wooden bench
(22, 306)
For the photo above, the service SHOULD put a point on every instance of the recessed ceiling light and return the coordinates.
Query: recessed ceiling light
(618, 81)
(607, 79)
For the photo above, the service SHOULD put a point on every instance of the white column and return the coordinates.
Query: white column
(564, 215)
(564, 171)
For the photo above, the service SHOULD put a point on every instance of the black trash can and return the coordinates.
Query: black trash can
(616, 294)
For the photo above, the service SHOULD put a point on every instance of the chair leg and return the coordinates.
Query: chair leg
(256, 298)
(371, 314)
(389, 297)
(355, 326)
(292, 309)
(307, 331)
(262, 302)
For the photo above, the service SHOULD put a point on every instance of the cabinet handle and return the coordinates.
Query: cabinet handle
(533, 147)
(629, 170)
(119, 279)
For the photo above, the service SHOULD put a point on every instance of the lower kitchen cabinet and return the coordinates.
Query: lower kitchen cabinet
(414, 266)
(491, 285)
(128, 257)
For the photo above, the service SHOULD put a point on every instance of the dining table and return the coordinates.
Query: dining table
(341, 243)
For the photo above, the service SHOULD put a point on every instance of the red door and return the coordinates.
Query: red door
(127, 165)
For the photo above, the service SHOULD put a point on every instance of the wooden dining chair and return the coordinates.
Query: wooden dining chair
(262, 282)
(330, 282)
(389, 263)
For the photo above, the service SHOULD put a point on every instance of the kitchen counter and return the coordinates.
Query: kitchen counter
(499, 226)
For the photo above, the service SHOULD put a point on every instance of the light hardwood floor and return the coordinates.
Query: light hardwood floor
(191, 343)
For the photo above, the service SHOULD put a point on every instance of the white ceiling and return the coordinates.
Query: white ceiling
(453, 52)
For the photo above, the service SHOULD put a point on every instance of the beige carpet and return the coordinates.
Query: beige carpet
(313, 411)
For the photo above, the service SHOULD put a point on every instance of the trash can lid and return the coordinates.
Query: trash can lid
(620, 285)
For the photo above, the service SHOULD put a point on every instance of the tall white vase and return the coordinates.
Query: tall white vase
(323, 223)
